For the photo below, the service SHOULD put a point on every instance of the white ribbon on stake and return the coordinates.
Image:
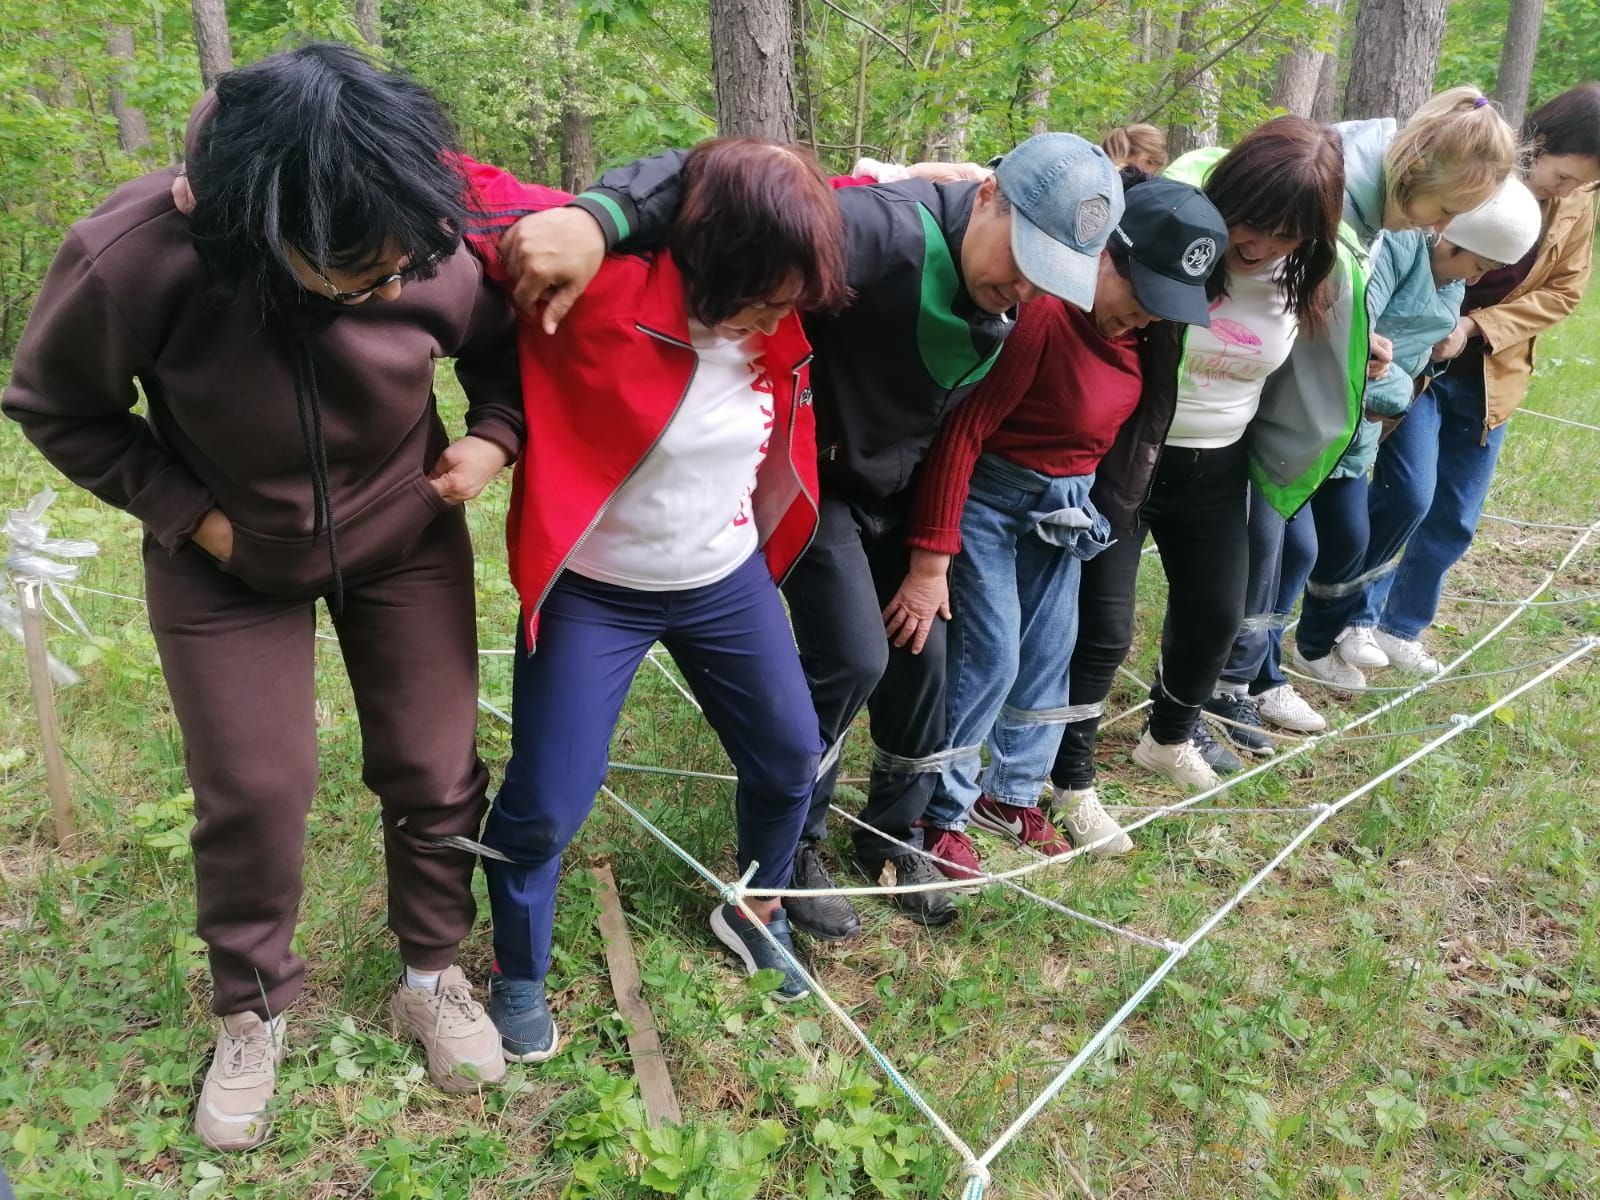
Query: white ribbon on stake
(32, 566)
(30, 563)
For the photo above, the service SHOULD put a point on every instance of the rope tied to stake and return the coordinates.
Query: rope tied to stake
(33, 568)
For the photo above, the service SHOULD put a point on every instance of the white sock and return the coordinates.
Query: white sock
(275, 1026)
(427, 981)
(1226, 687)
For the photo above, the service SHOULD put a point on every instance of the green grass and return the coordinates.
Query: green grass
(1410, 1008)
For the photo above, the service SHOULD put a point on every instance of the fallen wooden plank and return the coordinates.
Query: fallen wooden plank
(644, 1044)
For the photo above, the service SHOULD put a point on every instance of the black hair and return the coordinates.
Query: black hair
(320, 150)
(1569, 124)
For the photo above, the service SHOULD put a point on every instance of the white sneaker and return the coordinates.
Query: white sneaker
(1287, 709)
(1088, 824)
(1358, 649)
(1331, 670)
(232, 1111)
(1406, 654)
(1181, 763)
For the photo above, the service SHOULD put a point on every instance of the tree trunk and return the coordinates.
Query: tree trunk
(211, 39)
(1200, 128)
(752, 60)
(368, 13)
(133, 132)
(1300, 71)
(1516, 59)
(577, 149)
(1393, 61)
(1325, 107)
(1042, 83)
(577, 141)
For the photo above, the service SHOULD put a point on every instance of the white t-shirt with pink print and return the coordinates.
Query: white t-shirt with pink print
(684, 518)
(1225, 367)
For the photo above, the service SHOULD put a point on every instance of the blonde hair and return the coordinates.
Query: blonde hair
(1457, 144)
(1144, 142)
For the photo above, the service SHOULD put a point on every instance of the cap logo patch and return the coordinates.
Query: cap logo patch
(1197, 259)
(1093, 214)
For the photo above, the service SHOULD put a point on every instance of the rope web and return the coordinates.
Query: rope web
(975, 1164)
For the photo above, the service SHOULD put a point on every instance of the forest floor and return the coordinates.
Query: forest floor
(1410, 1007)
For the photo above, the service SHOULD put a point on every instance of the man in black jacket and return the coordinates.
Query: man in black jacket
(937, 270)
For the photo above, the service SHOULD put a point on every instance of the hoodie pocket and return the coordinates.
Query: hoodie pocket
(379, 534)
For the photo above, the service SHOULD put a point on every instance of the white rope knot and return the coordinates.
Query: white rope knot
(734, 893)
(975, 1172)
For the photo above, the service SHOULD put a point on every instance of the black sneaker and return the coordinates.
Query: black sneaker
(736, 931)
(1241, 723)
(925, 908)
(1218, 757)
(830, 918)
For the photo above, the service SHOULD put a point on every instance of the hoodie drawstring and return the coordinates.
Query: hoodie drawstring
(308, 405)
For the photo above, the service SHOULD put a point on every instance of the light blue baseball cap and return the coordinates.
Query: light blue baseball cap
(1066, 199)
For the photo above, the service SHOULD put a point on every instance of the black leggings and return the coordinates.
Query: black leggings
(1196, 511)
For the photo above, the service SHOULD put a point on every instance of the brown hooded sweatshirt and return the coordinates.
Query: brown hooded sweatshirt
(268, 413)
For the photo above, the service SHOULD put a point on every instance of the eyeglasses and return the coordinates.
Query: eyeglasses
(405, 275)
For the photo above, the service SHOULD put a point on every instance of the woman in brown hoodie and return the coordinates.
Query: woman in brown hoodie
(283, 337)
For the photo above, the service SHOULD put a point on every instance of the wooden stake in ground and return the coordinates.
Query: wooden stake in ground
(644, 1046)
(30, 602)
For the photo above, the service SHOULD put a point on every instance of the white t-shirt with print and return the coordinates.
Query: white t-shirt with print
(1224, 367)
(684, 518)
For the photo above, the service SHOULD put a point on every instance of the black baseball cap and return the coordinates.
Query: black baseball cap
(1173, 236)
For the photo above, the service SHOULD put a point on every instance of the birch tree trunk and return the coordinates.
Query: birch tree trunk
(1516, 59)
(1396, 52)
(211, 39)
(752, 60)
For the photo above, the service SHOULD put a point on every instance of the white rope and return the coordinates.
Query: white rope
(1561, 420)
(1115, 1022)
(1278, 760)
(1532, 524)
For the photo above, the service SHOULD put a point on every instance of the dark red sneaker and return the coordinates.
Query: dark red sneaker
(1026, 825)
(958, 856)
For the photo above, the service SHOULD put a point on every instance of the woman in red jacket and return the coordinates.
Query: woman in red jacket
(669, 483)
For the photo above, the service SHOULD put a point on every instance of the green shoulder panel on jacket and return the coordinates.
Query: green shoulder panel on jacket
(1319, 391)
(944, 339)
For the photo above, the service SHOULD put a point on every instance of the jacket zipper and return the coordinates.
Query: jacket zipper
(632, 471)
(794, 417)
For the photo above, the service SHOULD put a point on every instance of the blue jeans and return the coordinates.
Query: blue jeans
(1428, 488)
(1254, 642)
(733, 644)
(1013, 590)
(1340, 511)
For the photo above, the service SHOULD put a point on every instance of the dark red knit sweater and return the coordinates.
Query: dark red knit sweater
(1053, 403)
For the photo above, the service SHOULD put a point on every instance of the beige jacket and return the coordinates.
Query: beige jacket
(1548, 295)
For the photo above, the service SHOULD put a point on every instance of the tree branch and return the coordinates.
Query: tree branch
(872, 29)
(1250, 31)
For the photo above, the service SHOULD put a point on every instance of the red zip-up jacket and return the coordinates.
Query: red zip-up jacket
(599, 393)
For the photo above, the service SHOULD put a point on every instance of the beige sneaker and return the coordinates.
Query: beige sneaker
(1089, 824)
(461, 1043)
(231, 1113)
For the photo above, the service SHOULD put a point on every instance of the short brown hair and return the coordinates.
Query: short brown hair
(1286, 177)
(757, 220)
